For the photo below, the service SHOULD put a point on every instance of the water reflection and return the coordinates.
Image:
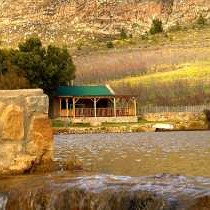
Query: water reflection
(137, 154)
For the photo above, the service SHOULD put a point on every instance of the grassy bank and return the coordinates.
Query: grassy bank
(60, 127)
(69, 128)
(63, 124)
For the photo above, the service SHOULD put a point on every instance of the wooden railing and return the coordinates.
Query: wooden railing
(64, 113)
(100, 112)
(125, 112)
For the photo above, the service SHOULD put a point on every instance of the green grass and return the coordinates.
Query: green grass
(140, 122)
(61, 124)
(57, 123)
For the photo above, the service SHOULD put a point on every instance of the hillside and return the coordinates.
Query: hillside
(71, 22)
(157, 68)
(137, 57)
(187, 84)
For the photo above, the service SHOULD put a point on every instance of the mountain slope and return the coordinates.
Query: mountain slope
(73, 21)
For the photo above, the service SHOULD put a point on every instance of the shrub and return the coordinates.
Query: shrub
(156, 27)
(123, 34)
(135, 25)
(79, 47)
(201, 20)
(109, 44)
(175, 27)
(144, 36)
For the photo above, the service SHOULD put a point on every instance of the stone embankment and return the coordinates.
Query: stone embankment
(26, 137)
(180, 120)
(177, 120)
(104, 129)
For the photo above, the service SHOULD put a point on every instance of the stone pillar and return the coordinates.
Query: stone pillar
(26, 136)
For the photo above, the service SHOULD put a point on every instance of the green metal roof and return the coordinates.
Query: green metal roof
(101, 90)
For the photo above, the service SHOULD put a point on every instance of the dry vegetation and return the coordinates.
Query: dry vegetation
(121, 63)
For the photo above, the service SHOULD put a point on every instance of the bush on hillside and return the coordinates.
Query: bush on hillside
(201, 20)
(109, 44)
(156, 27)
(176, 27)
(123, 34)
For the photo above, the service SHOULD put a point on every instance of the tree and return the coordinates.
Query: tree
(3, 62)
(11, 79)
(45, 68)
(156, 27)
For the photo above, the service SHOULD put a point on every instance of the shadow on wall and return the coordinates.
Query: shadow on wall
(207, 113)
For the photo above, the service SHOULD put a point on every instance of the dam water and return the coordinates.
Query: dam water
(130, 171)
(139, 154)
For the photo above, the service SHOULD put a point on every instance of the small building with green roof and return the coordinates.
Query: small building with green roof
(93, 102)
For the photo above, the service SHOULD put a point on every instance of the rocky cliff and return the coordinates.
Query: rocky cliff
(70, 21)
(25, 131)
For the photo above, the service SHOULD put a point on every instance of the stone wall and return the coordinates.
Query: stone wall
(96, 120)
(25, 131)
(181, 120)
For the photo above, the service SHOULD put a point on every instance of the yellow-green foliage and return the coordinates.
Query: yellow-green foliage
(191, 72)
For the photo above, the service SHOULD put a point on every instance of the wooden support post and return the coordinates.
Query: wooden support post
(115, 108)
(60, 107)
(95, 107)
(74, 114)
(67, 107)
(135, 110)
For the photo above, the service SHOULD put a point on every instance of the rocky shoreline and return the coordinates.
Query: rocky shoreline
(118, 129)
(103, 129)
